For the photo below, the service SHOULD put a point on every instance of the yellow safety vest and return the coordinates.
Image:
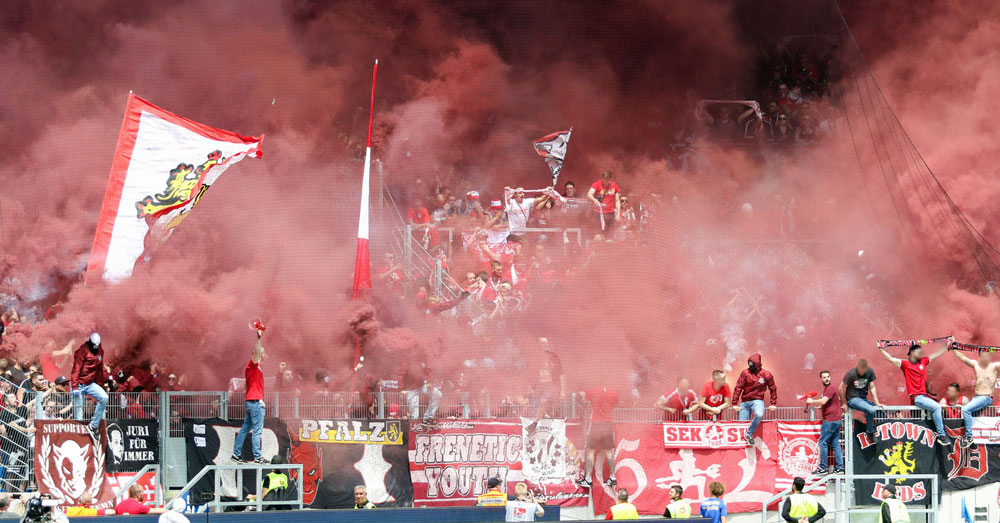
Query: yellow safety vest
(275, 481)
(680, 509)
(624, 510)
(492, 498)
(897, 511)
(802, 506)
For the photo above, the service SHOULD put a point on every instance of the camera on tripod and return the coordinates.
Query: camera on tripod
(39, 508)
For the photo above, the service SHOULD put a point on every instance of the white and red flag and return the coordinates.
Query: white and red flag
(162, 166)
(552, 147)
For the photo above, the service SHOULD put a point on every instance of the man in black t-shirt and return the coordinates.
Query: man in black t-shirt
(857, 384)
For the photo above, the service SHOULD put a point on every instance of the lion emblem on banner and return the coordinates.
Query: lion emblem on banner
(71, 462)
(182, 182)
(898, 459)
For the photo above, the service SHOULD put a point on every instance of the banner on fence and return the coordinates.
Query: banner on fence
(704, 435)
(986, 430)
(751, 474)
(798, 453)
(69, 462)
(905, 447)
(965, 468)
(450, 464)
(335, 456)
(211, 441)
(132, 444)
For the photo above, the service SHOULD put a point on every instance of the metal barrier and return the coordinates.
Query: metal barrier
(258, 501)
(844, 487)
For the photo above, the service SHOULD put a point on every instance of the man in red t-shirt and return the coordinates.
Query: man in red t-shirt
(601, 436)
(829, 433)
(605, 194)
(253, 420)
(914, 369)
(716, 395)
(133, 505)
(682, 400)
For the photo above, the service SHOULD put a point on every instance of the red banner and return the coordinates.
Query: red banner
(69, 462)
(750, 474)
(449, 465)
(704, 435)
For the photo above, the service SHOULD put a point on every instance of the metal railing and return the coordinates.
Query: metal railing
(843, 488)
(153, 498)
(258, 501)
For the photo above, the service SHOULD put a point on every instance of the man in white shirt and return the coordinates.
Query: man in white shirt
(524, 508)
(518, 208)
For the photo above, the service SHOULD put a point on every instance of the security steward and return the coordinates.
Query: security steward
(623, 509)
(493, 496)
(800, 507)
(679, 508)
(276, 482)
(893, 509)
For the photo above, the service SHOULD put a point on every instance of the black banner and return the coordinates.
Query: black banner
(132, 444)
(336, 455)
(210, 442)
(906, 447)
(968, 468)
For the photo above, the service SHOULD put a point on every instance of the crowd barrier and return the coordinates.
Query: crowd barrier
(389, 515)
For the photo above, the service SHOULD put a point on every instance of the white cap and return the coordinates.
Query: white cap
(179, 505)
(95, 339)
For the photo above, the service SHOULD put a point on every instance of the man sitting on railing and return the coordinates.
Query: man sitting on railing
(855, 387)
(986, 378)
(716, 395)
(88, 375)
(914, 369)
(753, 382)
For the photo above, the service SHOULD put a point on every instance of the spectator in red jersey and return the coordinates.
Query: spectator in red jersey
(679, 402)
(53, 361)
(133, 503)
(953, 401)
(88, 375)
(753, 382)
(253, 420)
(830, 404)
(606, 195)
(914, 369)
(493, 281)
(390, 273)
(716, 395)
(601, 436)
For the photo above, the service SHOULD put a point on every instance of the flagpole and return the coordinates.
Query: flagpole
(362, 262)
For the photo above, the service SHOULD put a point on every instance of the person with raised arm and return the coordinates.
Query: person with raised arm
(253, 420)
(986, 371)
(914, 369)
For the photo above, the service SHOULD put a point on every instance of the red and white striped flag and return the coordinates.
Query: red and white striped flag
(162, 166)
(552, 147)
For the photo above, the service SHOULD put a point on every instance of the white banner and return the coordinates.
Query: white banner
(162, 166)
(543, 455)
(705, 435)
(986, 430)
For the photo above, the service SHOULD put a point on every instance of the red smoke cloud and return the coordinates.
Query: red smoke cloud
(462, 91)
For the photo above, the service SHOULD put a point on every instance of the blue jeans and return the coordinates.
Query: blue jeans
(976, 404)
(829, 435)
(94, 391)
(928, 405)
(757, 406)
(254, 419)
(433, 401)
(863, 405)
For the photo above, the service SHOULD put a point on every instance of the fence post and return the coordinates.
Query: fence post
(381, 404)
(408, 249)
(223, 406)
(437, 277)
(277, 404)
(164, 433)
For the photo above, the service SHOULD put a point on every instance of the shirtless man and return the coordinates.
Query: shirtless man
(986, 376)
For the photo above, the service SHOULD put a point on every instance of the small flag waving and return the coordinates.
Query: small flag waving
(162, 166)
(553, 148)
